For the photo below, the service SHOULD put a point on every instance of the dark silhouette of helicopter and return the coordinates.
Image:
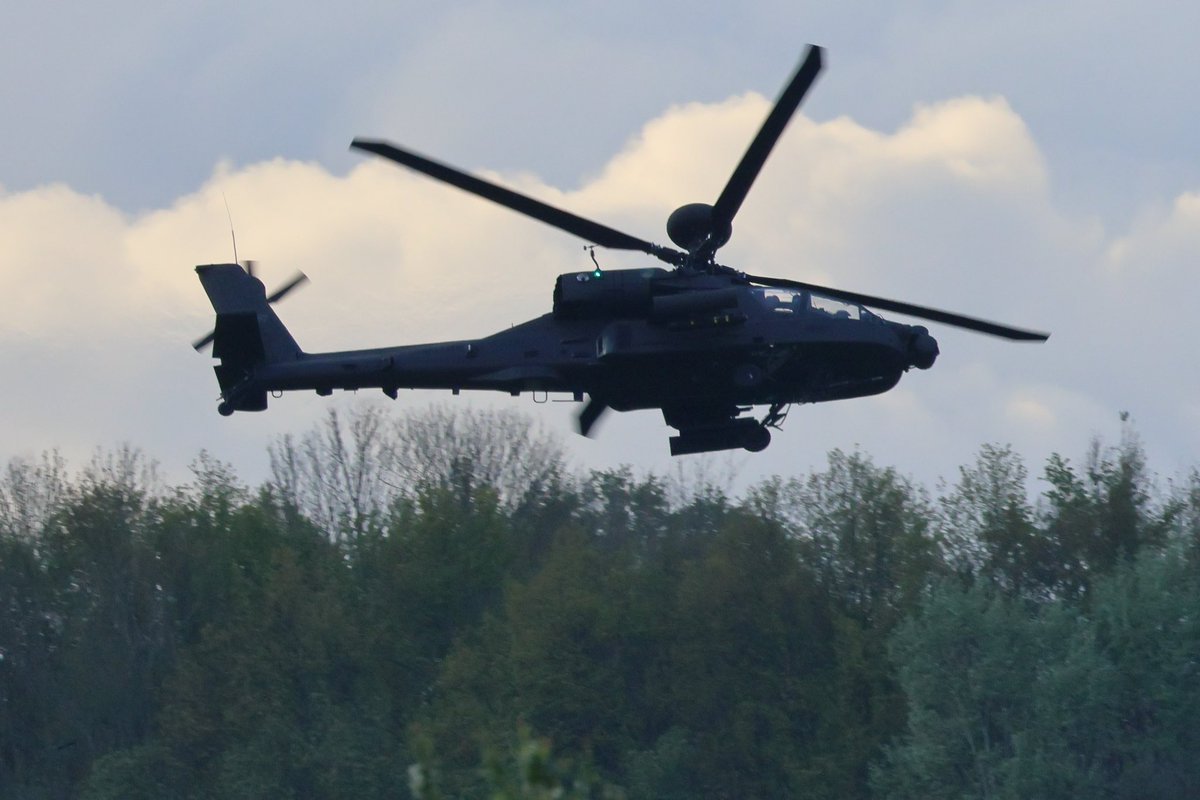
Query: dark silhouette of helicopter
(703, 342)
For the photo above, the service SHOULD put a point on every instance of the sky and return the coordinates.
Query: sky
(1031, 163)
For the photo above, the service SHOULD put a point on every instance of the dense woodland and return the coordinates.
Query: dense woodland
(437, 606)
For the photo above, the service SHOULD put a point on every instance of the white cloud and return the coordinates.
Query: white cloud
(952, 209)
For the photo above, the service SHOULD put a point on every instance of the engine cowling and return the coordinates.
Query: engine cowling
(667, 307)
(611, 293)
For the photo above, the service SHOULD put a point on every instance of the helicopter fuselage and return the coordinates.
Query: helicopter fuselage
(703, 348)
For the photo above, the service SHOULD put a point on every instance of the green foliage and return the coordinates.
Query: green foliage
(346, 474)
(1147, 632)
(680, 660)
(1014, 700)
(30, 494)
(750, 658)
(272, 700)
(987, 526)
(526, 770)
(406, 602)
(1101, 516)
(966, 664)
(865, 528)
(142, 772)
(30, 708)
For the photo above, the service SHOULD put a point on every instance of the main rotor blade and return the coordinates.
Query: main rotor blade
(593, 232)
(739, 184)
(921, 312)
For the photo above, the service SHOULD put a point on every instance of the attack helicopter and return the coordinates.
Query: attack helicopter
(704, 343)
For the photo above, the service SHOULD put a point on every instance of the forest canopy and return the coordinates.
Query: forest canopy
(438, 605)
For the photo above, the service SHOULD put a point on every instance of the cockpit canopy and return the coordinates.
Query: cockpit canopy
(800, 301)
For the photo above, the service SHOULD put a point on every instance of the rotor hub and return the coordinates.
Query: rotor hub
(692, 225)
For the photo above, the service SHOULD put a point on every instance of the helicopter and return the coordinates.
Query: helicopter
(704, 343)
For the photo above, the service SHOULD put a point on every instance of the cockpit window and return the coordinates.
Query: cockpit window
(838, 308)
(799, 301)
(783, 301)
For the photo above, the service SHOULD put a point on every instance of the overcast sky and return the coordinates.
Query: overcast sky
(1027, 162)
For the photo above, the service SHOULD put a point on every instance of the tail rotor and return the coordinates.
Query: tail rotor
(297, 280)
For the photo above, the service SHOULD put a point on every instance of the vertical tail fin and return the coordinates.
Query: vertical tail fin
(248, 334)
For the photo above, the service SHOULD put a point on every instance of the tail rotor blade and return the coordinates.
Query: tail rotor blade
(204, 341)
(299, 279)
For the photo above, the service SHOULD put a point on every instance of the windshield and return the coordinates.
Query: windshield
(783, 301)
(837, 308)
(799, 301)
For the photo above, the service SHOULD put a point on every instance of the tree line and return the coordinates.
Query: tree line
(439, 606)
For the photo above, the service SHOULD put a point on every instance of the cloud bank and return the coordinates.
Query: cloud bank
(954, 209)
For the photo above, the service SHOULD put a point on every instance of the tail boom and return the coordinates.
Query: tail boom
(258, 355)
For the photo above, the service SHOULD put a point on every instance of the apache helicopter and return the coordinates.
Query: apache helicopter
(702, 342)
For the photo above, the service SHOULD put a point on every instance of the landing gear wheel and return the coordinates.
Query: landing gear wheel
(224, 409)
(756, 439)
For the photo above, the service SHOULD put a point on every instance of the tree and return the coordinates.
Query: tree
(1074, 697)
(348, 472)
(987, 527)
(83, 626)
(1185, 504)
(337, 474)
(31, 492)
(867, 530)
(1102, 516)
(750, 666)
(30, 622)
(966, 665)
(441, 566)
(1146, 630)
(277, 697)
(464, 449)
